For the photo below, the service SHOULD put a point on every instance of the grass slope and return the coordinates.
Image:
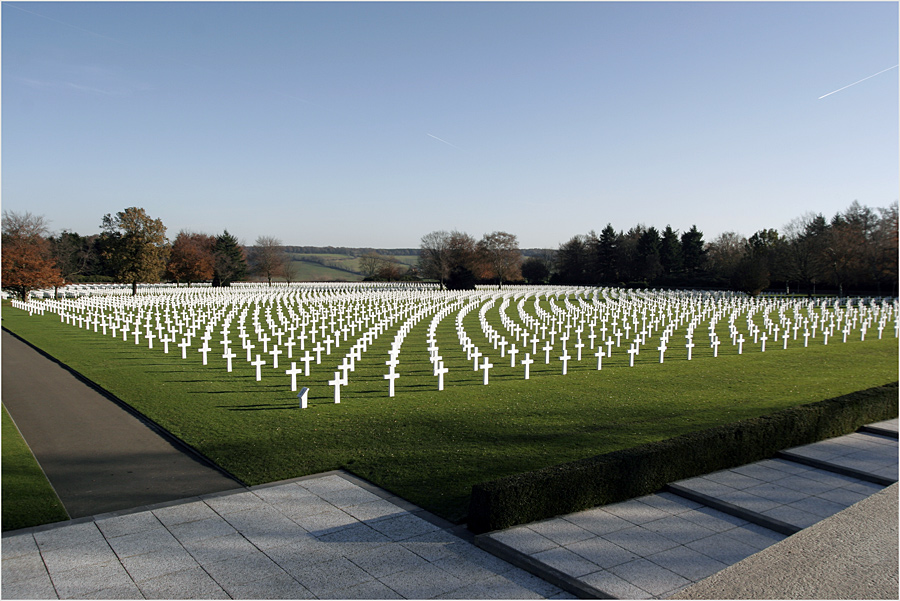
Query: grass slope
(430, 447)
(28, 498)
(306, 271)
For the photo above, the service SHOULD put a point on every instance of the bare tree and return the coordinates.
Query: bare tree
(369, 263)
(434, 259)
(267, 257)
(500, 256)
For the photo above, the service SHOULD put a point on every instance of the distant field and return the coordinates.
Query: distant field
(307, 271)
(330, 267)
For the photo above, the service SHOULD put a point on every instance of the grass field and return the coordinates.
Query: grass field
(306, 271)
(308, 267)
(28, 498)
(430, 447)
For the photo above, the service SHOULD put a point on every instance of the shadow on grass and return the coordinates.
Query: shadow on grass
(261, 407)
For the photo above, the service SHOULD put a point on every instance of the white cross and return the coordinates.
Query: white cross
(547, 348)
(475, 355)
(715, 344)
(631, 353)
(439, 372)
(166, 340)
(503, 344)
(565, 360)
(337, 383)
(228, 356)
(307, 359)
(599, 354)
(579, 345)
(184, 344)
(689, 346)
(662, 351)
(290, 344)
(486, 367)
(390, 377)
(763, 338)
(319, 348)
(805, 338)
(513, 351)
(292, 372)
(265, 340)
(527, 361)
(258, 364)
(275, 352)
(740, 341)
(249, 347)
(435, 360)
(204, 349)
(150, 336)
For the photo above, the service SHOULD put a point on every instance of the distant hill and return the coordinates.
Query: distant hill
(397, 252)
(341, 263)
(353, 252)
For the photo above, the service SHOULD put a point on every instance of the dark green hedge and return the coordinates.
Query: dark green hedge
(642, 470)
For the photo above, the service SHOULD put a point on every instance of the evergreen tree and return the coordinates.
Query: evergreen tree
(693, 253)
(230, 265)
(670, 252)
(607, 256)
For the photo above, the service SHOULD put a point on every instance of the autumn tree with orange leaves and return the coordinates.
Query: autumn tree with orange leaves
(191, 258)
(27, 260)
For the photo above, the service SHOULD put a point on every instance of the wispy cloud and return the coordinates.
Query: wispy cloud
(444, 141)
(83, 79)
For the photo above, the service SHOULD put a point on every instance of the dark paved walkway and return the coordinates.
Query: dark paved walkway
(98, 457)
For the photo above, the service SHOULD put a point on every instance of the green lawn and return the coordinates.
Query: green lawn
(430, 447)
(28, 498)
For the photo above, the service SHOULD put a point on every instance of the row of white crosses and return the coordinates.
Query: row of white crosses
(322, 319)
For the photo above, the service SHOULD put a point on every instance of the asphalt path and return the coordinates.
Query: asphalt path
(98, 456)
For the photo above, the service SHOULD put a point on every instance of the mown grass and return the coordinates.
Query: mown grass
(430, 447)
(28, 498)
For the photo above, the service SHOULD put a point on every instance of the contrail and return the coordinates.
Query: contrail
(856, 82)
(444, 141)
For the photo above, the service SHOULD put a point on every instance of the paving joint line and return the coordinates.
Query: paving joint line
(733, 510)
(887, 433)
(538, 568)
(835, 468)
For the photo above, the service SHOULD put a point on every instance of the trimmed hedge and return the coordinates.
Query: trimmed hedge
(638, 471)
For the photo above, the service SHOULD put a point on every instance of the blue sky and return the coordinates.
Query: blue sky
(372, 124)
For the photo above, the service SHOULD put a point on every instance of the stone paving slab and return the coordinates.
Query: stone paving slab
(328, 537)
(655, 546)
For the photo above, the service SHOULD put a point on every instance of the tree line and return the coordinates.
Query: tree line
(856, 250)
(132, 248)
